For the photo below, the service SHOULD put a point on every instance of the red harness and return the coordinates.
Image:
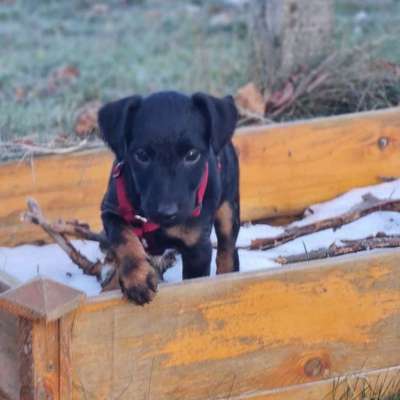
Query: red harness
(141, 226)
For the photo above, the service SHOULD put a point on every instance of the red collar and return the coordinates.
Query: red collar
(140, 225)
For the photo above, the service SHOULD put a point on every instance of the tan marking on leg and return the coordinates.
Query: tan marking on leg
(131, 247)
(134, 269)
(225, 251)
(224, 217)
(188, 235)
(225, 260)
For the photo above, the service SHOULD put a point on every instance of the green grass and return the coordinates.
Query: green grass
(131, 48)
(136, 48)
(381, 25)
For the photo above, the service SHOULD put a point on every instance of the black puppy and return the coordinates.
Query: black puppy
(175, 175)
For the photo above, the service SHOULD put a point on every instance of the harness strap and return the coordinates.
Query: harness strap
(201, 192)
(125, 208)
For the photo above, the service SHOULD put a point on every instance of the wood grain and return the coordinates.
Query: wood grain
(288, 167)
(65, 186)
(66, 325)
(9, 371)
(374, 383)
(41, 298)
(242, 333)
(284, 169)
(39, 360)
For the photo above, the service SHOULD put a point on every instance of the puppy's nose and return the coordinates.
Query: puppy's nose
(167, 212)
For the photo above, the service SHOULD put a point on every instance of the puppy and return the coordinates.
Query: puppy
(175, 175)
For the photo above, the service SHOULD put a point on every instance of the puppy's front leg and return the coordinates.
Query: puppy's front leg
(197, 259)
(137, 277)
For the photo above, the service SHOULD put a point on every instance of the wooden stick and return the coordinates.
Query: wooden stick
(329, 223)
(35, 216)
(379, 241)
(105, 271)
(79, 230)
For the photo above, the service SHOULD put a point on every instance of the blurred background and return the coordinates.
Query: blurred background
(282, 59)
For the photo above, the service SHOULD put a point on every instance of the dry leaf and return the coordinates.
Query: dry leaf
(281, 97)
(20, 93)
(250, 98)
(62, 76)
(86, 120)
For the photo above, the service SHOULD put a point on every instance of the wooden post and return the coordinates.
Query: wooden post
(288, 34)
(45, 311)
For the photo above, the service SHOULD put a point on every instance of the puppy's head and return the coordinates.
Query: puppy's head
(166, 140)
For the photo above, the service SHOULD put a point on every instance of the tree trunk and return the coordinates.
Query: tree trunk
(289, 34)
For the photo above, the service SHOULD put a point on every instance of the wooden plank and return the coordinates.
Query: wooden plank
(66, 326)
(363, 385)
(41, 298)
(9, 371)
(242, 333)
(65, 186)
(38, 343)
(288, 167)
(284, 169)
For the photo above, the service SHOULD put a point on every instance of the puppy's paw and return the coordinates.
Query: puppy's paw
(138, 281)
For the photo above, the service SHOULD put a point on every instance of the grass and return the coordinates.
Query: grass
(130, 48)
(363, 388)
(135, 46)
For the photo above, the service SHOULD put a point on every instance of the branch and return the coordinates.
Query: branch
(35, 216)
(105, 271)
(370, 206)
(380, 241)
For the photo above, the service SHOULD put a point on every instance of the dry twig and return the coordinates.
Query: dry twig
(379, 241)
(369, 207)
(97, 268)
(106, 270)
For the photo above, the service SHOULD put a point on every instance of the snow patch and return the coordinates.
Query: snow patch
(28, 261)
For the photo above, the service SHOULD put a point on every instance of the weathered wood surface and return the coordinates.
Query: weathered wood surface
(9, 365)
(35, 338)
(38, 351)
(284, 169)
(242, 335)
(289, 167)
(9, 371)
(66, 186)
(41, 299)
(370, 383)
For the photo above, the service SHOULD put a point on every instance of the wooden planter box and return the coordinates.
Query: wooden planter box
(288, 333)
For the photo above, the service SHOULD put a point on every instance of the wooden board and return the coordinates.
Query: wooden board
(243, 336)
(9, 371)
(372, 384)
(284, 169)
(288, 167)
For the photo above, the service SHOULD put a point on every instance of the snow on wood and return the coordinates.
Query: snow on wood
(28, 261)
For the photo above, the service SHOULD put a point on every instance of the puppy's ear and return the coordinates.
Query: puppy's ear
(221, 117)
(114, 121)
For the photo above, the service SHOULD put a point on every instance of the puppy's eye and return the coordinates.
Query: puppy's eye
(192, 156)
(142, 157)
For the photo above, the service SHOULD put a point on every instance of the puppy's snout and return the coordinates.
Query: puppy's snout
(167, 212)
